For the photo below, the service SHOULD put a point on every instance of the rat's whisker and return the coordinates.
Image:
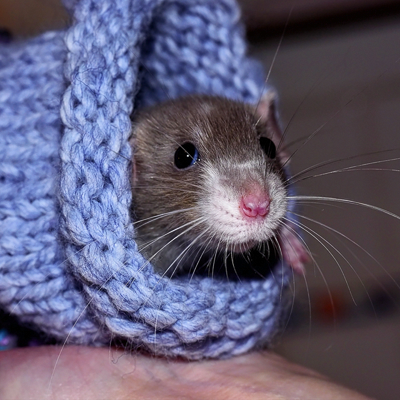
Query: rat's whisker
(342, 235)
(235, 270)
(347, 262)
(225, 258)
(321, 241)
(193, 223)
(275, 55)
(142, 222)
(314, 133)
(315, 199)
(214, 258)
(278, 246)
(359, 167)
(339, 110)
(203, 251)
(342, 159)
(180, 256)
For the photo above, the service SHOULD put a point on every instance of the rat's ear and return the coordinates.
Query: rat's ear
(266, 112)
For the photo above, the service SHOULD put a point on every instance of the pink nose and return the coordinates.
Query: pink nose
(253, 205)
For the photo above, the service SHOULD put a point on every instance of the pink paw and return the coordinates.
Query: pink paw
(293, 250)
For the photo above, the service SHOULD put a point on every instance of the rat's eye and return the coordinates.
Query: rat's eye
(186, 155)
(268, 147)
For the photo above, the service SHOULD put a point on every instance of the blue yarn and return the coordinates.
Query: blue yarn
(68, 260)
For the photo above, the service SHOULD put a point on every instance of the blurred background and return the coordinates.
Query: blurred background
(337, 72)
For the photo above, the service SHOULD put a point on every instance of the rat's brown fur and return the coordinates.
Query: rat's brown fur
(226, 134)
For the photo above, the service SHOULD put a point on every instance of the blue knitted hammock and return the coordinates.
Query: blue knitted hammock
(68, 262)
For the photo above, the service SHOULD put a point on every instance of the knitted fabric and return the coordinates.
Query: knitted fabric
(69, 264)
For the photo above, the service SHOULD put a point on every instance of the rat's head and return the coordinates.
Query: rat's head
(207, 176)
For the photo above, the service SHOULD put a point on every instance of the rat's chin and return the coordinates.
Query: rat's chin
(243, 247)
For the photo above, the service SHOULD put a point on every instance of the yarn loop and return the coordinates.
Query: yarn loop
(69, 264)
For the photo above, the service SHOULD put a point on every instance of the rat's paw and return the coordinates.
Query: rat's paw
(293, 250)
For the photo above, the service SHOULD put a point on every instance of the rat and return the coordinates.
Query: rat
(208, 178)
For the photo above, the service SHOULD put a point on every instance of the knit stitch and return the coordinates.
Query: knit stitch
(68, 260)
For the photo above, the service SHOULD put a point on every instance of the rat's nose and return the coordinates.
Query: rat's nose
(253, 205)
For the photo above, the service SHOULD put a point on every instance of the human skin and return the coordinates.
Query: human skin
(44, 373)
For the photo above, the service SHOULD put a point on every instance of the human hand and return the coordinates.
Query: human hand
(86, 373)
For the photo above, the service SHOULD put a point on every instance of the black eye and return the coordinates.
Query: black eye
(268, 147)
(186, 155)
